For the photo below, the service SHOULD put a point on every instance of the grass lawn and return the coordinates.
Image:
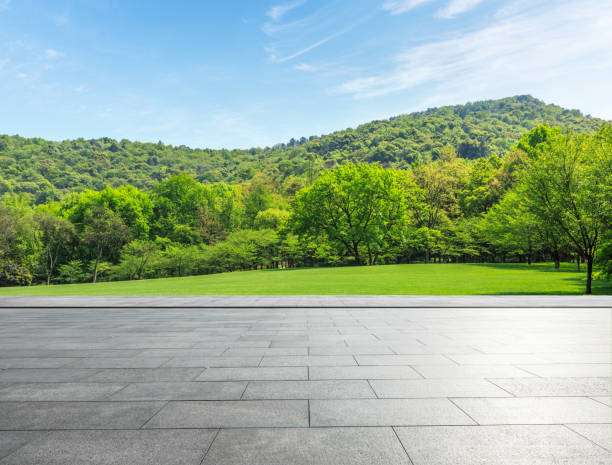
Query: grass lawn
(419, 279)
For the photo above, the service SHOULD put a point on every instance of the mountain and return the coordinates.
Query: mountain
(48, 170)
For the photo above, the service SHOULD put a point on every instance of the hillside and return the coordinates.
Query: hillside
(49, 170)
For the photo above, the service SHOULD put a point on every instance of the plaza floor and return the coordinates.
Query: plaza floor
(287, 384)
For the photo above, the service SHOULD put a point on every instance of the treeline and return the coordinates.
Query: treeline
(549, 198)
(48, 170)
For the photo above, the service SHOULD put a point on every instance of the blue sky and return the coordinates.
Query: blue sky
(254, 73)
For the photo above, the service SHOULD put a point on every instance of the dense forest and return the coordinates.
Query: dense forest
(456, 184)
(50, 170)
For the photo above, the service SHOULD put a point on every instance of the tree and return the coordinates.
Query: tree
(104, 233)
(138, 253)
(54, 235)
(259, 199)
(359, 208)
(568, 184)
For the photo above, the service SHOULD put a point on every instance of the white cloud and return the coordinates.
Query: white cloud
(456, 7)
(305, 67)
(278, 11)
(21, 75)
(533, 50)
(4, 4)
(397, 7)
(51, 53)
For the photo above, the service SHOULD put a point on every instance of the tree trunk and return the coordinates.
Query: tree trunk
(95, 276)
(427, 255)
(589, 274)
(557, 259)
(578, 261)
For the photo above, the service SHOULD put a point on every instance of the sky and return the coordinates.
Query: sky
(245, 73)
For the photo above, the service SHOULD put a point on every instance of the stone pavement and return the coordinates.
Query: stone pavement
(283, 386)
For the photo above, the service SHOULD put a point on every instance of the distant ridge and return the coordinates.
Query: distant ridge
(48, 170)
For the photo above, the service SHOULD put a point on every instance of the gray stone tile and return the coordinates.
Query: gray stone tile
(535, 410)
(492, 359)
(32, 362)
(10, 441)
(343, 350)
(122, 362)
(567, 370)
(42, 375)
(499, 445)
(144, 447)
(382, 360)
(386, 412)
(58, 391)
(215, 362)
(364, 372)
(75, 415)
(182, 391)
(599, 434)
(471, 371)
(312, 360)
(304, 446)
(604, 400)
(232, 414)
(182, 353)
(91, 353)
(269, 351)
(424, 388)
(578, 357)
(529, 387)
(144, 375)
(253, 374)
(343, 389)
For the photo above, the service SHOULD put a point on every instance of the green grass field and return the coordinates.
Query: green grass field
(419, 279)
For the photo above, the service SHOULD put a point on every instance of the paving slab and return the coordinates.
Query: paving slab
(426, 388)
(386, 412)
(500, 445)
(303, 446)
(143, 375)
(144, 447)
(10, 441)
(75, 415)
(181, 391)
(364, 372)
(338, 389)
(599, 434)
(531, 387)
(535, 410)
(42, 375)
(58, 391)
(249, 374)
(232, 414)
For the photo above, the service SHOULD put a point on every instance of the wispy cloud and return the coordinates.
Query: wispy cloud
(4, 5)
(532, 47)
(52, 54)
(456, 7)
(305, 67)
(278, 11)
(397, 7)
(274, 55)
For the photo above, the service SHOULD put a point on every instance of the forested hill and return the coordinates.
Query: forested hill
(49, 170)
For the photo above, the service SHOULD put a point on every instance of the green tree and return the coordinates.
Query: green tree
(54, 235)
(359, 208)
(136, 255)
(104, 234)
(568, 184)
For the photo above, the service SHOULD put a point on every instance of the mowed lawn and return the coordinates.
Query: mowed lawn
(417, 279)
